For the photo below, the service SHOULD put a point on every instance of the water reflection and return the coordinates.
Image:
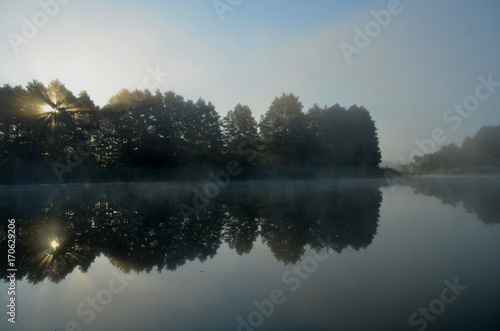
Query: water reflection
(140, 227)
(479, 195)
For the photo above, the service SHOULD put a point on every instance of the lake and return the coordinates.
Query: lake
(272, 255)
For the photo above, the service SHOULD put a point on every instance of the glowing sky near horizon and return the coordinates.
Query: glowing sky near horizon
(427, 58)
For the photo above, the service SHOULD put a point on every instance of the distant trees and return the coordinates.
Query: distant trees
(44, 124)
(476, 153)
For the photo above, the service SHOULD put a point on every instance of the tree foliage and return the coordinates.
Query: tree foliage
(41, 124)
(238, 126)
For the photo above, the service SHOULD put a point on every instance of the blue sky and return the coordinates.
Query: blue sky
(427, 58)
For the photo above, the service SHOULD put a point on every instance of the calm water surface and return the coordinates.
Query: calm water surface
(293, 255)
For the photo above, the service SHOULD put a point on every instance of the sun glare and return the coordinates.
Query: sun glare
(47, 109)
(54, 244)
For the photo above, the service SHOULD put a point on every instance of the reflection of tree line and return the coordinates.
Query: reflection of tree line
(479, 195)
(140, 233)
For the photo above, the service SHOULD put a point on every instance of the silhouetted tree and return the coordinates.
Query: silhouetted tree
(283, 125)
(238, 126)
(344, 137)
(41, 125)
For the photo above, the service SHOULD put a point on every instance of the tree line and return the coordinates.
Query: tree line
(47, 124)
(479, 154)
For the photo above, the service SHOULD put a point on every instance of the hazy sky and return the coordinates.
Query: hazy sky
(426, 58)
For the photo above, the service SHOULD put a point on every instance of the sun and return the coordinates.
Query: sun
(54, 244)
(47, 109)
